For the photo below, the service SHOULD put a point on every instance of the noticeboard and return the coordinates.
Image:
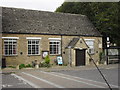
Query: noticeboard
(59, 60)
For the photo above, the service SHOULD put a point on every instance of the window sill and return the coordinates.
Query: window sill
(55, 54)
(10, 55)
(33, 55)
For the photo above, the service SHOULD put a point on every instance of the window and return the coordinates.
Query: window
(10, 47)
(33, 47)
(54, 47)
(90, 43)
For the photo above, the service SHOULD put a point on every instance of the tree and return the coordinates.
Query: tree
(104, 16)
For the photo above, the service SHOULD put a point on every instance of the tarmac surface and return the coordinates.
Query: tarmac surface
(61, 77)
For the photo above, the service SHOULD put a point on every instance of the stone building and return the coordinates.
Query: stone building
(29, 35)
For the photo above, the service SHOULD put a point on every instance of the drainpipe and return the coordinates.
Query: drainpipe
(118, 55)
(61, 45)
(69, 62)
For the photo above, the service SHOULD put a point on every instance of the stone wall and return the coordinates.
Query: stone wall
(44, 46)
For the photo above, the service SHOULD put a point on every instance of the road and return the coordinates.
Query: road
(111, 74)
(9, 81)
(62, 79)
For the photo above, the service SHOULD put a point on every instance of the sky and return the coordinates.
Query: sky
(43, 5)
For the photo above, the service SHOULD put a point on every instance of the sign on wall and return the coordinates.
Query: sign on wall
(45, 53)
(59, 60)
(112, 51)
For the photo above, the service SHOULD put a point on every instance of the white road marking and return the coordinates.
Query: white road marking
(10, 85)
(74, 80)
(58, 86)
(85, 79)
(110, 68)
(4, 85)
(26, 81)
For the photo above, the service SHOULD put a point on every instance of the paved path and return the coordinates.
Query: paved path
(62, 68)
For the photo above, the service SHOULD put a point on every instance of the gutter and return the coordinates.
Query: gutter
(53, 34)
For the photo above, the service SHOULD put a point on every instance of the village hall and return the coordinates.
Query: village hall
(29, 35)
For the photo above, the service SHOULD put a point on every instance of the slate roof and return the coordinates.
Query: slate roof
(73, 42)
(15, 20)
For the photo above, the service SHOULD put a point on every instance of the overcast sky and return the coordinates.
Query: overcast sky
(44, 5)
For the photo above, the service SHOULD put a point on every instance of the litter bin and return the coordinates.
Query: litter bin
(3, 63)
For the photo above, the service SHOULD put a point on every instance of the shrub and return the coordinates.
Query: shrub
(43, 64)
(47, 60)
(11, 66)
(46, 63)
(28, 65)
(21, 66)
(64, 64)
(101, 57)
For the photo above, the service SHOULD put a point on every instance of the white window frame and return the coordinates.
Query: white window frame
(59, 46)
(91, 49)
(10, 39)
(35, 39)
(35, 46)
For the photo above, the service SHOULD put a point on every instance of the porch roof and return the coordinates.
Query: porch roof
(73, 42)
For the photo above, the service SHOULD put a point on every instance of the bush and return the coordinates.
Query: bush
(47, 60)
(11, 66)
(101, 57)
(46, 63)
(64, 64)
(28, 65)
(21, 66)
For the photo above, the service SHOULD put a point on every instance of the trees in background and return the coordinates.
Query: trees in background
(104, 16)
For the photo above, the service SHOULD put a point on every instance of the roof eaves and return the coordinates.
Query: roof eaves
(53, 34)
